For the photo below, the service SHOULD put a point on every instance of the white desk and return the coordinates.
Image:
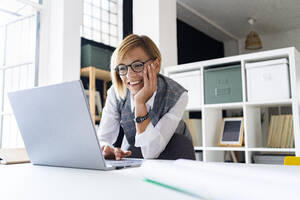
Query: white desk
(210, 180)
(26, 181)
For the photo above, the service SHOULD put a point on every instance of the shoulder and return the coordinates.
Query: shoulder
(172, 85)
(111, 96)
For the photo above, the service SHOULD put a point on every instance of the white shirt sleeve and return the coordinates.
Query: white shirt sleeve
(154, 140)
(108, 130)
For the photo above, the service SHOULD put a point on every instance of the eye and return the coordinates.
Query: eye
(122, 68)
(137, 65)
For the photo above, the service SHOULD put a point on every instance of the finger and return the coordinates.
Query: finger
(145, 76)
(118, 154)
(151, 74)
(127, 153)
(105, 149)
(108, 152)
(150, 70)
(154, 78)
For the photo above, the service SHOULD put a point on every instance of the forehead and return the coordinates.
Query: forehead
(134, 54)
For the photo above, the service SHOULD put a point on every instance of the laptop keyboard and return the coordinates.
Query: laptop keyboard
(124, 162)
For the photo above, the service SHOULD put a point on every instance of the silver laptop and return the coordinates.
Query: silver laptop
(57, 128)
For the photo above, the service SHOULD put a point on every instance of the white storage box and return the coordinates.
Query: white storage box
(268, 80)
(191, 81)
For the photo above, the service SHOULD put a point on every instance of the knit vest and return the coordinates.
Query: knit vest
(168, 93)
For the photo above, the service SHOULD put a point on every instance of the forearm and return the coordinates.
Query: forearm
(141, 110)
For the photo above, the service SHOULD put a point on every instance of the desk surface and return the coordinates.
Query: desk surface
(26, 181)
(213, 180)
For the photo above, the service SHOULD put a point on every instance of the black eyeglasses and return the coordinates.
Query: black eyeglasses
(137, 66)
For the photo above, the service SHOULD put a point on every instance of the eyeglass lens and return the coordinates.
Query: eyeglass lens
(136, 67)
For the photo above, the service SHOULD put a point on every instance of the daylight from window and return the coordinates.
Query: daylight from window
(102, 21)
(18, 36)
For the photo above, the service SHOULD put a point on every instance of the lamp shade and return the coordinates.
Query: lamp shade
(253, 41)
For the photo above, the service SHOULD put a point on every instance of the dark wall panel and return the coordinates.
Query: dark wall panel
(127, 18)
(194, 45)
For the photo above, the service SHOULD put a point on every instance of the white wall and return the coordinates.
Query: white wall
(157, 19)
(231, 48)
(270, 41)
(59, 58)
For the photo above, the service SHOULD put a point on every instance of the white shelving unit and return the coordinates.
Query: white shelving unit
(254, 137)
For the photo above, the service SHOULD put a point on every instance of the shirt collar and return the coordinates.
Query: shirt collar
(149, 103)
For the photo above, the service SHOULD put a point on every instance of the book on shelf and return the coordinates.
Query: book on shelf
(271, 129)
(278, 130)
(13, 156)
(195, 128)
(285, 132)
(281, 134)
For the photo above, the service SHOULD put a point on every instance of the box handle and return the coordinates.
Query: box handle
(224, 91)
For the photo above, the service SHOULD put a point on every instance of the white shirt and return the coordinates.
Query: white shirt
(155, 138)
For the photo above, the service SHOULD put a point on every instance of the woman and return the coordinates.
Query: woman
(146, 105)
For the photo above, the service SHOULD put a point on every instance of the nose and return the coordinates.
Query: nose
(130, 72)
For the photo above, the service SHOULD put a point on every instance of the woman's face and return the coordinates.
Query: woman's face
(134, 80)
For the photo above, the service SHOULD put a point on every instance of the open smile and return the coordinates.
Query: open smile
(133, 83)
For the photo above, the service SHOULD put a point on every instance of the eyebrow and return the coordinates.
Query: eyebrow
(137, 60)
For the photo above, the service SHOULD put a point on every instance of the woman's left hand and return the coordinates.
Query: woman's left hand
(150, 84)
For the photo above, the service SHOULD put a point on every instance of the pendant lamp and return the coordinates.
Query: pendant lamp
(253, 41)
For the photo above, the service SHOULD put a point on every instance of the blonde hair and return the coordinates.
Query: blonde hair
(130, 42)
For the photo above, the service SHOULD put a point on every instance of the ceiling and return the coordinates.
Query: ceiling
(227, 19)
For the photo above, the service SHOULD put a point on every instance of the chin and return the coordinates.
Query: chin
(134, 91)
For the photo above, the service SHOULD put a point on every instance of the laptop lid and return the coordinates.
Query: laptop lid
(57, 127)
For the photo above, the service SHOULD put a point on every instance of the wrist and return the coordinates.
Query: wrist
(140, 110)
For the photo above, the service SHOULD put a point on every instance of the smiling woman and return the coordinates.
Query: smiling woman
(145, 105)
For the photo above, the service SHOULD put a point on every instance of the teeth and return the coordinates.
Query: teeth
(135, 82)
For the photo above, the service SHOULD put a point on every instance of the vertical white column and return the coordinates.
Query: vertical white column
(157, 19)
(59, 58)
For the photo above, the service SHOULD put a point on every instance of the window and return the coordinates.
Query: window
(18, 40)
(102, 21)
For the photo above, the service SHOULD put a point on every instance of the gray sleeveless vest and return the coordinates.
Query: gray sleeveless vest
(168, 93)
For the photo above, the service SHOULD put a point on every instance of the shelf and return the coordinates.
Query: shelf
(225, 148)
(94, 73)
(194, 109)
(225, 105)
(286, 102)
(262, 149)
(99, 73)
(257, 115)
(272, 149)
(199, 148)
